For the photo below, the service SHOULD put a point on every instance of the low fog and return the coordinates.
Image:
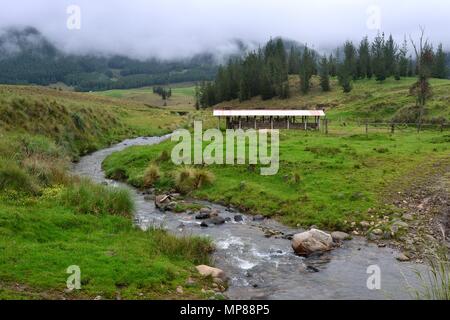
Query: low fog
(181, 28)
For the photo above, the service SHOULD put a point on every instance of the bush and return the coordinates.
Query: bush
(151, 176)
(89, 198)
(12, 177)
(164, 156)
(48, 171)
(188, 179)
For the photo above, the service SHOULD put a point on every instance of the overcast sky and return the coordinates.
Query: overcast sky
(171, 28)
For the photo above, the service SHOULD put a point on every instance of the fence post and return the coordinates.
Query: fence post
(326, 125)
(393, 128)
(367, 127)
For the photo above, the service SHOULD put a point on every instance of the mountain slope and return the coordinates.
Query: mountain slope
(27, 57)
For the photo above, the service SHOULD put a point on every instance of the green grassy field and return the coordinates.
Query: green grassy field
(323, 180)
(183, 96)
(50, 220)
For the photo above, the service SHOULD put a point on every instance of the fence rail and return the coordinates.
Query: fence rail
(389, 126)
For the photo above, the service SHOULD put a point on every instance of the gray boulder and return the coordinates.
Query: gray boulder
(312, 241)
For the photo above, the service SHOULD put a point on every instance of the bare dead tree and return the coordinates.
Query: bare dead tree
(424, 58)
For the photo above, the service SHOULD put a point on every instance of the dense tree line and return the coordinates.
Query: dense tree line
(27, 57)
(264, 72)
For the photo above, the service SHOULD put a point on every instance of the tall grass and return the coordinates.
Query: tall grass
(435, 283)
(195, 249)
(189, 179)
(151, 176)
(12, 177)
(87, 197)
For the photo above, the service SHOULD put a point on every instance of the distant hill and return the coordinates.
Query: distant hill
(27, 57)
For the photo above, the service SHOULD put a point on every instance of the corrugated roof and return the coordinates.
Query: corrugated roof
(269, 113)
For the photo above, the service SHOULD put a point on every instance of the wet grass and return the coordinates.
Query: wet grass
(40, 239)
(50, 220)
(327, 181)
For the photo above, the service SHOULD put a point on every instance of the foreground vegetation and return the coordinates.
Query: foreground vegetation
(50, 220)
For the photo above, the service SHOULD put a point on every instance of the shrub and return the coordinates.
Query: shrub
(89, 198)
(188, 179)
(12, 177)
(164, 156)
(48, 171)
(151, 176)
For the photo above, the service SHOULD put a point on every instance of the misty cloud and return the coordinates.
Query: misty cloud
(180, 28)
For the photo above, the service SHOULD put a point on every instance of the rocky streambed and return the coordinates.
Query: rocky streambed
(256, 254)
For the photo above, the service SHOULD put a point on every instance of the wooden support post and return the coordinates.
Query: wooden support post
(240, 123)
(218, 123)
(271, 123)
(318, 123)
(256, 126)
(287, 120)
(306, 123)
(326, 125)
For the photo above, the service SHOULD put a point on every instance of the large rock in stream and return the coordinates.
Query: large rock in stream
(164, 202)
(312, 241)
(215, 273)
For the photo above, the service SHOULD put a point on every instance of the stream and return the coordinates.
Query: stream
(266, 268)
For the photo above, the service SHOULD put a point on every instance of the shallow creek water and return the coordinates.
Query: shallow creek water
(266, 268)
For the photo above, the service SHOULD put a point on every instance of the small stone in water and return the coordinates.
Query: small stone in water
(312, 269)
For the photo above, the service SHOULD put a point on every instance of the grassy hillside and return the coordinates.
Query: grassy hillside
(183, 96)
(50, 220)
(79, 122)
(368, 99)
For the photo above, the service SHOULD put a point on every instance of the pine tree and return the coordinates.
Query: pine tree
(378, 58)
(306, 70)
(294, 61)
(345, 76)
(390, 56)
(440, 66)
(324, 75)
(332, 65)
(266, 85)
(350, 59)
(364, 63)
(403, 61)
